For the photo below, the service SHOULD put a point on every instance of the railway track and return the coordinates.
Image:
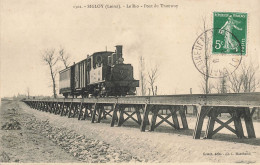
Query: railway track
(238, 105)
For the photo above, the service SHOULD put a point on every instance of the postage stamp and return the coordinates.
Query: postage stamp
(211, 64)
(232, 27)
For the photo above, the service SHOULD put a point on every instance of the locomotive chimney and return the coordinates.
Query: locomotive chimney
(119, 49)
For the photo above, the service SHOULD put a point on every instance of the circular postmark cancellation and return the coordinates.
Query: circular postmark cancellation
(216, 64)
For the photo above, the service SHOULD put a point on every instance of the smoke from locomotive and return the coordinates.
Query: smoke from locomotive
(101, 74)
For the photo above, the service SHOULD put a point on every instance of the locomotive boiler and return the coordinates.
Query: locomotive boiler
(100, 74)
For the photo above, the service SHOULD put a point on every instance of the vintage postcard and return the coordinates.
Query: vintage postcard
(127, 81)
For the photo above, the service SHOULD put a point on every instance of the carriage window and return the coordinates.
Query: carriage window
(98, 60)
(109, 60)
(114, 58)
(89, 64)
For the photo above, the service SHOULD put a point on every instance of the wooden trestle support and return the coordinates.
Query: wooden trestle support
(117, 112)
(236, 113)
(140, 112)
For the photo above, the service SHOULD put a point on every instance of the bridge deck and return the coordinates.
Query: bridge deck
(212, 105)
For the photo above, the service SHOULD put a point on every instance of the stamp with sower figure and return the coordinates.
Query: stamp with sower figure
(229, 23)
(218, 52)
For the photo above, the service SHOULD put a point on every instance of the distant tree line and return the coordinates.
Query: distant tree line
(242, 80)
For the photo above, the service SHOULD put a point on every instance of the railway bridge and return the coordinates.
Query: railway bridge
(238, 105)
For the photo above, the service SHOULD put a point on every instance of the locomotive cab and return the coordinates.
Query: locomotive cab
(109, 76)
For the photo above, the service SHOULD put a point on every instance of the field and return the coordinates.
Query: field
(31, 136)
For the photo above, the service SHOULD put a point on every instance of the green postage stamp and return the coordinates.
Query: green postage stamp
(229, 36)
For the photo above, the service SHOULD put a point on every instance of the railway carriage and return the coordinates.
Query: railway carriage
(101, 74)
(65, 82)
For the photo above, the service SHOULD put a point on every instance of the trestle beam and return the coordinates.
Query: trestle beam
(121, 111)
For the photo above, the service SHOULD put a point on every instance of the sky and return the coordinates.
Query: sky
(163, 36)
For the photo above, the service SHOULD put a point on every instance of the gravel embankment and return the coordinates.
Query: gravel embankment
(83, 148)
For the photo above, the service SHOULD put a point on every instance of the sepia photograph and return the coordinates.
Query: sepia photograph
(130, 81)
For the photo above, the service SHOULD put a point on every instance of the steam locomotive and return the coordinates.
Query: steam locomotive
(100, 74)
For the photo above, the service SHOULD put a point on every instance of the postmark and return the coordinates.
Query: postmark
(208, 62)
(229, 23)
